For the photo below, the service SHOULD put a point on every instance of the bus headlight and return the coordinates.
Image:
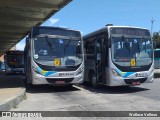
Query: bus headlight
(115, 73)
(36, 71)
(80, 71)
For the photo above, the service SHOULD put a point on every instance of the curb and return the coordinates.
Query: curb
(14, 101)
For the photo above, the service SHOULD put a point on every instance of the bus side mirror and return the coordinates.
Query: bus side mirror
(85, 55)
(27, 39)
(109, 43)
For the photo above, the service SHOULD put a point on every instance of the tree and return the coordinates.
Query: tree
(156, 38)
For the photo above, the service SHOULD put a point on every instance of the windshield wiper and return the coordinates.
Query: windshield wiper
(145, 44)
(49, 43)
(125, 42)
(138, 48)
(66, 46)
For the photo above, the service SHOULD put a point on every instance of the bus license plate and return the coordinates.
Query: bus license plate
(60, 82)
(136, 83)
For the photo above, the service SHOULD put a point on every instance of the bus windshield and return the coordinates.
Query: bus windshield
(124, 50)
(47, 50)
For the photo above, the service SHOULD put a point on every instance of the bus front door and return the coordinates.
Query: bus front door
(100, 61)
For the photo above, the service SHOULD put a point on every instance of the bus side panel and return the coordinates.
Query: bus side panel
(108, 67)
(28, 62)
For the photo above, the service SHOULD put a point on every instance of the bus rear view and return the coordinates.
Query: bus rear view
(54, 56)
(14, 61)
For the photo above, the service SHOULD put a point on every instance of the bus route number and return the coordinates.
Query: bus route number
(133, 62)
(57, 62)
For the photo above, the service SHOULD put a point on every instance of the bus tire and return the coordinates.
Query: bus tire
(29, 87)
(94, 82)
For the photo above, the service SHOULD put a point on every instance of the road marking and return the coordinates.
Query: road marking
(81, 88)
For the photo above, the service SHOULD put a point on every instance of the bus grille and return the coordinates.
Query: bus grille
(53, 80)
(129, 81)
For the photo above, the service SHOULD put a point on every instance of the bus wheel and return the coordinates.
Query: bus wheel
(94, 82)
(28, 86)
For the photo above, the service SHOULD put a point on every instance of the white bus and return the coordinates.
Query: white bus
(54, 56)
(14, 61)
(118, 56)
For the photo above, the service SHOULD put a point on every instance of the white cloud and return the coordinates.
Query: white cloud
(50, 22)
(53, 21)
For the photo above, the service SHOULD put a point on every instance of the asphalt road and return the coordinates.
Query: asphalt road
(145, 97)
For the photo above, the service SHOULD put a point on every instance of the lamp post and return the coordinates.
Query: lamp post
(152, 21)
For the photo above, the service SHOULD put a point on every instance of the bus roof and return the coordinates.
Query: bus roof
(127, 27)
(15, 52)
(55, 31)
(50, 27)
(106, 29)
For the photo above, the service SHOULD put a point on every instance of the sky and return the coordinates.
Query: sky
(90, 15)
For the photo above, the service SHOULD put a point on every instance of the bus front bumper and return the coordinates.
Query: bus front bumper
(39, 80)
(119, 81)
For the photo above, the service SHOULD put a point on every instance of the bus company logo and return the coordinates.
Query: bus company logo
(66, 74)
(21, 114)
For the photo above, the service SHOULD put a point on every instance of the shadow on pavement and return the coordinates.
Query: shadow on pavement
(114, 90)
(49, 89)
(156, 75)
(2, 73)
(8, 81)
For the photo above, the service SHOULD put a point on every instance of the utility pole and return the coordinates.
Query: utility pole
(152, 21)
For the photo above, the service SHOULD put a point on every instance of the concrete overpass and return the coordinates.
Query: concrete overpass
(18, 16)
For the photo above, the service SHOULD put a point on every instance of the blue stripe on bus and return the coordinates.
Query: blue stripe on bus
(125, 74)
(45, 73)
(49, 73)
